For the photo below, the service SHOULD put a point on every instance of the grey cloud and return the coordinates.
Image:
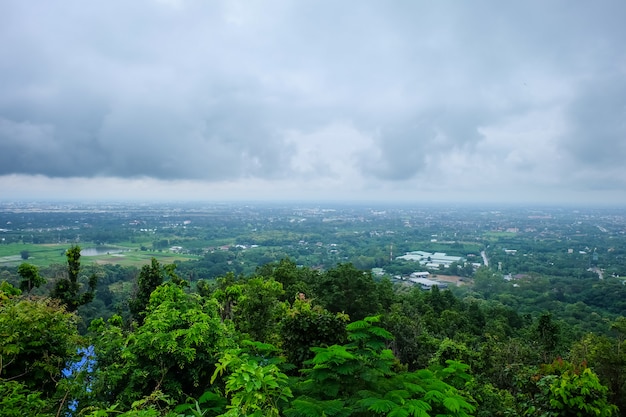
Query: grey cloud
(404, 149)
(597, 116)
(40, 149)
(141, 99)
(207, 90)
(158, 138)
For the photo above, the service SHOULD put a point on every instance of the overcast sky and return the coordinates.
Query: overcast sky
(481, 101)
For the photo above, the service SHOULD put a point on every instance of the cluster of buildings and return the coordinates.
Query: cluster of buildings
(430, 260)
(421, 279)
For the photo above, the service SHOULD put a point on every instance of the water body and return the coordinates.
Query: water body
(101, 250)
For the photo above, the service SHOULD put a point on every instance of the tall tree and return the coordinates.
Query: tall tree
(149, 278)
(68, 290)
(547, 336)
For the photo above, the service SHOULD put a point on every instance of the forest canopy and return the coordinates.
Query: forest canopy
(337, 343)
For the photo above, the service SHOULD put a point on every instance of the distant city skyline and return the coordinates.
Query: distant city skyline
(433, 102)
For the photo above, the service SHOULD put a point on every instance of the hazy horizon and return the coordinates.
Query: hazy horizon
(102, 203)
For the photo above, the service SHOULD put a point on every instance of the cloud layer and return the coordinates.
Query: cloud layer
(317, 99)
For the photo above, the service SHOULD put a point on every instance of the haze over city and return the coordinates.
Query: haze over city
(314, 100)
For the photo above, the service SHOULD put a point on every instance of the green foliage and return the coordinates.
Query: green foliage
(204, 353)
(30, 277)
(488, 282)
(450, 350)
(253, 305)
(18, 401)
(254, 386)
(8, 291)
(562, 389)
(293, 279)
(501, 360)
(108, 377)
(491, 401)
(156, 404)
(258, 309)
(408, 320)
(37, 338)
(149, 278)
(312, 407)
(363, 378)
(208, 405)
(547, 336)
(73, 262)
(581, 393)
(305, 326)
(345, 289)
(174, 351)
(228, 293)
(607, 357)
(68, 290)
(421, 393)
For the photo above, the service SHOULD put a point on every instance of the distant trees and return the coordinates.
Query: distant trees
(348, 290)
(30, 277)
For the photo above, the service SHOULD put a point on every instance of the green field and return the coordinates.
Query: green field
(138, 258)
(48, 254)
(40, 255)
(494, 235)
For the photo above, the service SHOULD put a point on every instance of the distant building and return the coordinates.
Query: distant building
(379, 272)
(427, 284)
(431, 260)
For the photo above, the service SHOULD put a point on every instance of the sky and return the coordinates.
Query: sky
(413, 101)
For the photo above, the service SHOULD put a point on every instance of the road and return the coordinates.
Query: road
(485, 260)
